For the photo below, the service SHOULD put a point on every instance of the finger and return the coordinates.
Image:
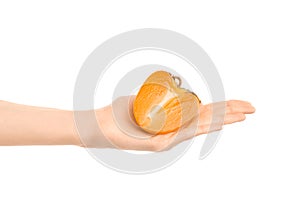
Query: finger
(208, 128)
(237, 106)
(232, 118)
(217, 125)
(236, 114)
(231, 106)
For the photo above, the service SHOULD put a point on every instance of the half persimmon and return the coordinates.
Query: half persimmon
(162, 106)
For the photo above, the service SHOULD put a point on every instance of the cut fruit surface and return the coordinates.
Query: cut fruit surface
(161, 106)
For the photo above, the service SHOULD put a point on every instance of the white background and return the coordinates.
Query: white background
(255, 46)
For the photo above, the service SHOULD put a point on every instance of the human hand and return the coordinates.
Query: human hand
(119, 128)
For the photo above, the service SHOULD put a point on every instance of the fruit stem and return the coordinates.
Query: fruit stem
(178, 82)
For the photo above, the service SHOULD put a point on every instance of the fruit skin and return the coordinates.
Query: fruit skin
(161, 106)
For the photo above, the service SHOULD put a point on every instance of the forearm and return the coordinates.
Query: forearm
(28, 125)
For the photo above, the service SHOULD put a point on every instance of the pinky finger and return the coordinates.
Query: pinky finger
(235, 117)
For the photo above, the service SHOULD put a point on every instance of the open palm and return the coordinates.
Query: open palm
(122, 132)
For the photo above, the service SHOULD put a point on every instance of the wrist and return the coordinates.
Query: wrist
(71, 131)
(91, 128)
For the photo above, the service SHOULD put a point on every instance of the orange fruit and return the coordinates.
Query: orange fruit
(162, 106)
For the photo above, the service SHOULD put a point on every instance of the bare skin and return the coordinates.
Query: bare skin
(29, 125)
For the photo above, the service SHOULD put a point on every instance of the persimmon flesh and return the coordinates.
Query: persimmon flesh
(162, 106)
